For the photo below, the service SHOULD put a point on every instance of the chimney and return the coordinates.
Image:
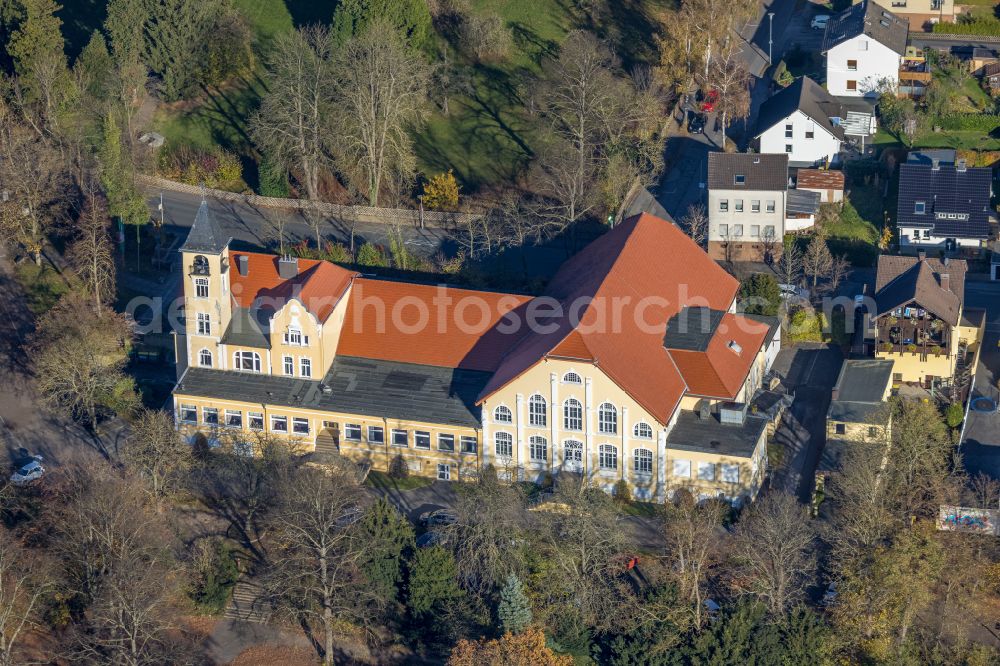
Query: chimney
(288, 267)
(835, 393)
(704, 409)
(921, 255)
(945, 260)
(935, 164)
(243, 264)
(960, 166)
(945, 281)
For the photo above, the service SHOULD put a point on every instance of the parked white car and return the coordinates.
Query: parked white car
(28, 473)
(819, 22)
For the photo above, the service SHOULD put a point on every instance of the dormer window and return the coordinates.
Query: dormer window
(293, 336)
(919, 207)
(735, 346)
(740, 179)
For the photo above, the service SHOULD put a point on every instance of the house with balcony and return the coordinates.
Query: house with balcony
(923, 14)
(920, 322)
(944, 206)
(598, 377)
(802, 121)
(864, 47)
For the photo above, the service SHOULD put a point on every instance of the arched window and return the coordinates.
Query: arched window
(572, 378)
(246, 361)
(504, 444)
(537, 413)
(572, 451)
(205, 358)
(607, 419)
(503, 414)
(200, 265)
(642, 461)
(608, 456)
(642, 431)
(572, 414)
(538, 449)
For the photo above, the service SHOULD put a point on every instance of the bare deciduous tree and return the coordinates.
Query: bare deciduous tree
(380, 92)
(692, 532)
(92, 255)
(695, 223)
(840, 269)
(817, 260)
(293, 124)
(729, 78)
(154, 449)
(773, 546)
(22, 593)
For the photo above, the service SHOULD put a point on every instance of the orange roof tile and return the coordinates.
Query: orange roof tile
(819, 179)
(628, 284)
(721, 369)
(428, 325)
(573, 346)
(319, 285)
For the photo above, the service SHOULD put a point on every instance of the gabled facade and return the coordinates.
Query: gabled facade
(923, 13)
(590, 378)
(747, 204)
(857, 405)
(802, 121)
(864, 46)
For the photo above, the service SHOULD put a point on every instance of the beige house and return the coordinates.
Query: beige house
(625, 369)
(923, 13)
(857, 404)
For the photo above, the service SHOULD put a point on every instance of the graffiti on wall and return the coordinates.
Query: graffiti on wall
(968, 519)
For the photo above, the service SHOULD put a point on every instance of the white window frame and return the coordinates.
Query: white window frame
(639, 430)
(607, 456)
(444, 472)
(202, 354)
(234, 418)
(446, 442)
(769, 206)
(538, 411)
(422, 440)
(279, 423)
(723, 205)
(572, 378)
(706, 471)
(755, 205)
(305, 367)
(503, 444)
(288, 366)
(681, 468)
(724, 230)
(255, 421)
(738, 205)
(469, 444)
(350, 428)
(187, 413)
(201, 286)
(607, 419)
(572, 422)
(576, 446)
(297, 425)
(789, 130)
(642, 461)
(204, 323)
(395, 438)
(503, 414)
(293, 336)
(538, 448)
(214, 411)
(730, 472)
(376, 439)
(240, 356)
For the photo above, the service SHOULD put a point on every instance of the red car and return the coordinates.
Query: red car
(708, 103)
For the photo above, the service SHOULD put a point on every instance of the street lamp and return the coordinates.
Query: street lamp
(770, 34)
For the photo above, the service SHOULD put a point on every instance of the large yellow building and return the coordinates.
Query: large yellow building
(633, 365)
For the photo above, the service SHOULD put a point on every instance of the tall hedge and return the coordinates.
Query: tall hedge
(985, 27)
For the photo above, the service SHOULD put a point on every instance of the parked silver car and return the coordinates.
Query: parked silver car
(28, 473)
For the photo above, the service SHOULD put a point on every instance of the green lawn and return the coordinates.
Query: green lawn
(959, 139)
(642, 509)
(267, 18)
(43, 286)
(383, 481)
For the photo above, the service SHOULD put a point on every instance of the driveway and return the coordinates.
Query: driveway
(810, 371)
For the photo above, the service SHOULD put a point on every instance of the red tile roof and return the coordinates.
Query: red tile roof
(819, 179)
(627, 283)
(319, 285)
(719, 371)
(428, 325)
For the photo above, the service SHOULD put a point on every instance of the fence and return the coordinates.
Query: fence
(371, 214)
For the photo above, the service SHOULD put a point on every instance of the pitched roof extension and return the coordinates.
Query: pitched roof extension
(867, 18)
(319, 285)
(760, 172)
(944, 190)
(803, 95)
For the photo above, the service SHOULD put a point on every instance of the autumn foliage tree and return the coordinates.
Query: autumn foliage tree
(525, 649)
(441, 192)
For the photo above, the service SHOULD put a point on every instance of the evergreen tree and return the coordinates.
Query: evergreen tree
(386, 534)
(433, 581)
(514, 610)
(176, 35)
(124, 199)
(37, 47)
(125, 24)
(411, 18)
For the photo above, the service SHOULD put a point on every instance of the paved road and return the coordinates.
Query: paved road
(981, 445)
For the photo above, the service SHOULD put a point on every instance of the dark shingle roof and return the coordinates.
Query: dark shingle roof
(709, 435)
(945, 190)
(206, 235)
(692, 328)
(870, 19)
(247, 330)
(396, 391)
(762, 172)
(802, 202)
(803, 95)
(860, 387)
(920, 281)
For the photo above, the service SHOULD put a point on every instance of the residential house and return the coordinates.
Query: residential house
(628, 368)
(920, 322)
(864, 45)
(829, 184)
(990, 75)
(944, 206)
(922, 14)
(857, 404)
(803, 121)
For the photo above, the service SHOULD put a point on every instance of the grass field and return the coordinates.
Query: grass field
(383, 481)
(43, 286)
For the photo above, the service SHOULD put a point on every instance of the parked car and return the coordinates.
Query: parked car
(819, 21)
(708, 101)
(696, 123)
(438, 517)
(429, 539)
(27, 473)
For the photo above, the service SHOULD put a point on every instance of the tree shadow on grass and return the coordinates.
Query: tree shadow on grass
(305, 12)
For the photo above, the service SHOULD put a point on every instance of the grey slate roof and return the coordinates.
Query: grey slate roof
(945, 190)
(643, 201)
(763, 172)
(774, 325)
(860, 387)
(870, 19)
(803, 95)
(247, 330)
(692, 328)
(383, 389)
(928, 155)
(802, 202)
(206, 235)
(693, 433)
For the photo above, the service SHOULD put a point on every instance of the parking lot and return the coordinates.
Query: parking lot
(800, 38)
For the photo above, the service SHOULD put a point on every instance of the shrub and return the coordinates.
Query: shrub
(486, 36)
(953, 415)
(398, 469)
(622, 492)
(273, 179)
(215, 574)
(218, 169)
(760, 294)
(912, 348)
(936, 350)
(441, 192)
(988, 27)
(228, 51)
(370, 254)
(806, 326)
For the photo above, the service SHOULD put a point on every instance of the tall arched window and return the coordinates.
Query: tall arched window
(504, 444)
(642, 461)
(607, 419)
(608, 456)
(538, 449)
(205, 358)
(572, 451)
(537, 412)
(246, 361)
(642, 431)
(502, 414)
(572, 378)
(572, 414)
